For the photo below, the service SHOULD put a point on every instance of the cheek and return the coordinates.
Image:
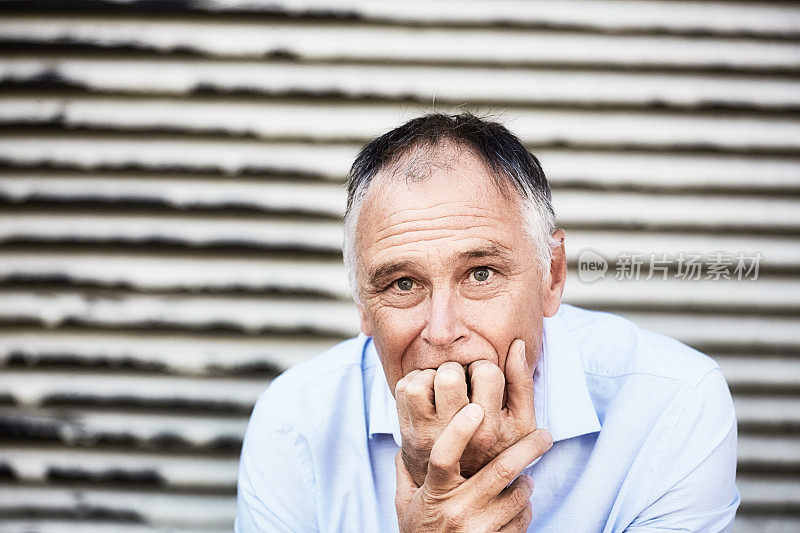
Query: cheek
(394, 330)
(494, 322)
(515, 315)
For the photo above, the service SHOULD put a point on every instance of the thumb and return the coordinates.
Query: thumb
(519, 383)
(405, 483)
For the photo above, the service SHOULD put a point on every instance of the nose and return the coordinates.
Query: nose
(444, 326)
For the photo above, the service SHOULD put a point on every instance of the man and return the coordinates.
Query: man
(473, 400)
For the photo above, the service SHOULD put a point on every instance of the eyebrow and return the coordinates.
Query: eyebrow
(381, 272)
(386, 270)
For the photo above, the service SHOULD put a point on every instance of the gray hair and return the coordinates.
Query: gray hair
(509, 161)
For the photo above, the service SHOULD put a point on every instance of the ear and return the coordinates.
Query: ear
(554, 285)
(366, 324)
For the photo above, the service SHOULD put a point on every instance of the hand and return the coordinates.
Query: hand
(428, 399)
(491, 500)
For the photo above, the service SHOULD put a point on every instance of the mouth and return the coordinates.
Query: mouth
(465, 366)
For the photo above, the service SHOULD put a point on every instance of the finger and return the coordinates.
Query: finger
(519, 384)
(450, 390)
(399, 396)
(519, 523)
(418, 396)
(405, 483)
(493, 478)
(400, 387)
(511, 502)
(488, 386)
(443, 465)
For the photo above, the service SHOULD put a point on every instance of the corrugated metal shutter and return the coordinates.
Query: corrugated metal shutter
(171, 183)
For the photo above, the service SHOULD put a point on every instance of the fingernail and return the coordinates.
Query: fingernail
(548, 438)
(474, 412)
(522, 353)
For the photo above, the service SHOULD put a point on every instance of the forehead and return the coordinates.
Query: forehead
(444, 206)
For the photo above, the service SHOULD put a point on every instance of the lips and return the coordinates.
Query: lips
(435, 361)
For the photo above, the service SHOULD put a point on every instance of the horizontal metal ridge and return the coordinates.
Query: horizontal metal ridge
(420, 83)
(335, 122)
(626, 168)
(337, 42)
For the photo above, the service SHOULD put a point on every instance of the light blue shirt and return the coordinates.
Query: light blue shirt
(643, 427)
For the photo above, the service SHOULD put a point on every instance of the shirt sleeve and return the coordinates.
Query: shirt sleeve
(274, 488)
(694, 486)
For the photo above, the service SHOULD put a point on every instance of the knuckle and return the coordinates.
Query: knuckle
(402, 382)
(502, 470)
(487, 371)
(439, 460)
(479, 367)
(451, 365)
(450, 378)
(519, 498)
(415, 389)
(452, 517)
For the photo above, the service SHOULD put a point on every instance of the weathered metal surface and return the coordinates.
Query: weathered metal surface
(674, 171)
(581, 207)
(171, 187)
(416, 82)
(333, 42)
(180, 352)
(327, 122)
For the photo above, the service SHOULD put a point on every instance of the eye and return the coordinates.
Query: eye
(481, 274)
(404, 284)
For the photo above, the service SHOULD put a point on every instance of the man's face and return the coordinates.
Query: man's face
(446, 272)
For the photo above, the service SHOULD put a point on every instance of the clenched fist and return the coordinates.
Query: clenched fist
(496, 498)
(427, 400)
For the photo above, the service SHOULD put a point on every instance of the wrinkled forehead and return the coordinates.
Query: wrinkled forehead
(432, 199)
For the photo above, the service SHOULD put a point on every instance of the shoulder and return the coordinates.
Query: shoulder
(614, 347)
(668, 422)
(308, 390)
(641, 378)
(669, 401)
(278, 466)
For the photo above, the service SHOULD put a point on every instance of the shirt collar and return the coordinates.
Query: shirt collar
(382, 408)
(561, 397)
(566, 404)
